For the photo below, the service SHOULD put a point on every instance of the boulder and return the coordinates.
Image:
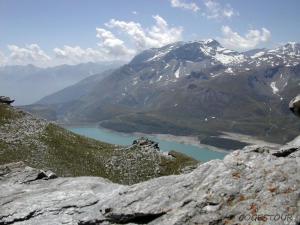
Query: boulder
(255, 185)
(146, 144)
(6, 100)
(295, 105)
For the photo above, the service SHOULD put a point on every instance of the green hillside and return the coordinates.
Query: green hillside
(41, 144)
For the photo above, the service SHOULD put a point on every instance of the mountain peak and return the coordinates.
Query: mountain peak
(193, 51)
(211, 42)
(291, 43)
(290, 48)
(211, 51)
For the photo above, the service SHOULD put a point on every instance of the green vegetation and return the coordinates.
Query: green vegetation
(7, 114)
(181, 163)
(269, 128)
(45, 145)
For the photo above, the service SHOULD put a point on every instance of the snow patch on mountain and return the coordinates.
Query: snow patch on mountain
(176, 74)
(229, 70)
(161, 52)
(259, 54)
(209, 47)
(274, 88)
(221, 54)
(229, 59)
(167, 66)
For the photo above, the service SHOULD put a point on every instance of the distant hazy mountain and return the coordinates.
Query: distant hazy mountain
(195, 88)
(28, 84)
(76, 91)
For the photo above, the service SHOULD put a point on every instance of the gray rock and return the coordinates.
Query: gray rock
(50, 174)
(6, 100)
(146, 144)
(256, 183)
(295, 105)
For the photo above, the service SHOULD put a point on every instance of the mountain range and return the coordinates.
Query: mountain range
(189, 88)
(27, 84)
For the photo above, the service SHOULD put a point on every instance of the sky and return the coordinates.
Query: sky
(53, 32)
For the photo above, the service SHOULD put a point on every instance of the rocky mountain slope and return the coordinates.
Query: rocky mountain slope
(195, 88)
(28, 84)
(255, 185)
(41, 144)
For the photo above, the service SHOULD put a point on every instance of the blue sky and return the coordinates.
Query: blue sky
(33, 28)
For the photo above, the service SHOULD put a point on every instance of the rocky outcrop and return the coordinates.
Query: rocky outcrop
(145, 144)
(295, 105)
(256, 185)
(6, 100)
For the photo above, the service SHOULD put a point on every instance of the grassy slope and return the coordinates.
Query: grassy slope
(69, 154)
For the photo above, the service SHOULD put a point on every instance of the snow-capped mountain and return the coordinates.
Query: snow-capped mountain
(194, 51)
(180, 59)
(288, 55)
(196, 87)
(171, 62)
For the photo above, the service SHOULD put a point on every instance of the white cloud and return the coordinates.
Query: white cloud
(251, 39)
(163, 34)
(31, 54)
(108, 48)
(75, 55)
(133, 29)
(211, 9)
(214, 10)
(181, 4)
(2, 59)
(111, 47)
(158, 35)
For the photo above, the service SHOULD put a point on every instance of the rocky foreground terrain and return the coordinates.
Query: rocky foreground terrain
(256, 185)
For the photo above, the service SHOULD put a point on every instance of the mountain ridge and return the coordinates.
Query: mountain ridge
(184, 89)
(33, 82)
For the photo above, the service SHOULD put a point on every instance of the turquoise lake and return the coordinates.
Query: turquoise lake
(200, 153)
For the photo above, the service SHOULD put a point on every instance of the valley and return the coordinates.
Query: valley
(172, 112)
(39, 143)
(198, 89)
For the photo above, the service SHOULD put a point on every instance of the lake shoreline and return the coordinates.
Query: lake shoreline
(187, 146)
(248, 139)
(187, 140)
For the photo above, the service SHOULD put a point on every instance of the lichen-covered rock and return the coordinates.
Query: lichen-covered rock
(256, 185)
